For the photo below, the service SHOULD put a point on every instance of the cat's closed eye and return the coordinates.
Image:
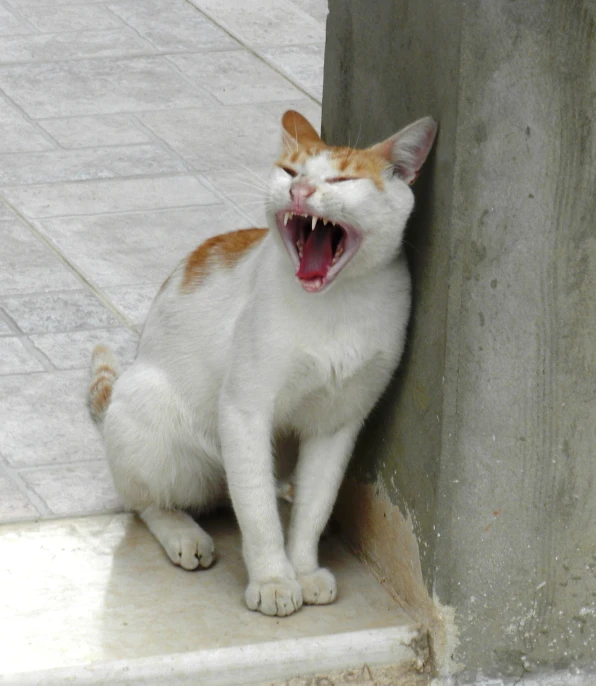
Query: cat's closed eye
(290, 171)
(339, 179)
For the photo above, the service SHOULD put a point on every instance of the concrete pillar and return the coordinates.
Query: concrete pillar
(487, 437)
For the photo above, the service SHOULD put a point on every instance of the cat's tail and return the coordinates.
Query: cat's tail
(104, 372)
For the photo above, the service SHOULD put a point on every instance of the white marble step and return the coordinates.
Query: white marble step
(94, 600)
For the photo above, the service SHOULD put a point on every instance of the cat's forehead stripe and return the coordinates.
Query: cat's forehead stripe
(223, 250)
(360, 163)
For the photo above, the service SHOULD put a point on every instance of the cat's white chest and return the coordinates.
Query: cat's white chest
(319, 379)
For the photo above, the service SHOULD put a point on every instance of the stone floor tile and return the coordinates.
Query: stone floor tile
(58, 312)
(103, 86)
(97, 197)
(73, 45)
(246, 188)
(235, 77)
(10, 25)
(87, 132)
(27, 265)
(72, 350)
(172, 25)
(216, 139)
(317, 9)
(271, 22)
(134, 301)
(16, 359)
(303, 63)
(17, 134)
(140, 247)
(14, 504)
(93, 163)
(75, 489)
(45, 419)
(57, 18)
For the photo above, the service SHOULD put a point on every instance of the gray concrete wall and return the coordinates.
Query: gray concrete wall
(488, 435)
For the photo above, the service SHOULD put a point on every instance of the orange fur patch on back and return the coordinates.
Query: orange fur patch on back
(225, 249)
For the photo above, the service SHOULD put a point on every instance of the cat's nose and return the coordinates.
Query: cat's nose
(300, 191)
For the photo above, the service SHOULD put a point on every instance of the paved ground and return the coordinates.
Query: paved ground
(129, 131)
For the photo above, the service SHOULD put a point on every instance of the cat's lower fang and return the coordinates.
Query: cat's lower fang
(339, 252)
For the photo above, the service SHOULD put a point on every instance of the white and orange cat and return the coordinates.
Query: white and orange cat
(295, 328)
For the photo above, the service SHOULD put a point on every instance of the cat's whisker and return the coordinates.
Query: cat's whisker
(262, 182)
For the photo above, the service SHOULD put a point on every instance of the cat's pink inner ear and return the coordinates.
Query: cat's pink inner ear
(407, 150)
(298, 129)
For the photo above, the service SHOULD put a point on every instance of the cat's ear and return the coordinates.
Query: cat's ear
(408, 149)
(298, 130)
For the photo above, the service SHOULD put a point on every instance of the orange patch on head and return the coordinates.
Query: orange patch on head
(361, 164)
(225, 249)
(302, 141)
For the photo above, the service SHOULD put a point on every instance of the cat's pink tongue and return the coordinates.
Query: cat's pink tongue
(317, 255)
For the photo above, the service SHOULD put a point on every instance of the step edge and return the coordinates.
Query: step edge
(248, 664)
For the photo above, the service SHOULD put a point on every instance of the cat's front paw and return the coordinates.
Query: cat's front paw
(280, 597)
(318, 587)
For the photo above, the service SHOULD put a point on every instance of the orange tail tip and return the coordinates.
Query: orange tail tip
(104, 372)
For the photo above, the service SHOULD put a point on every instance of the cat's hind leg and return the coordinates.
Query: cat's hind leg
(158, 464)
(184, 541)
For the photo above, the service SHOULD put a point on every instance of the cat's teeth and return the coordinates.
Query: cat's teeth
(287, 216)
(314, 223)
(325, 222)
(337, 255)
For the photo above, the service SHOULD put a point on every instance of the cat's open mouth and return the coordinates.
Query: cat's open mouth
(319, 248)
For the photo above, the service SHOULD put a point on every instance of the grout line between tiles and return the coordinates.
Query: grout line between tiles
(158, 140)
(36, 500)
(209, 184)
(15, 13)
(183, 108)
(104, 58)
(11, 103)
(57, 465)
(11, 322)
(38, 354)
(54, 517)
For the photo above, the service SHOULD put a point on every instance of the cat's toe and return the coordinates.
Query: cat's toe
(319, 587)
(275, 598)
(191, 551)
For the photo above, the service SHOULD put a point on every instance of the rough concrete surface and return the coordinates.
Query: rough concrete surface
(487, 436)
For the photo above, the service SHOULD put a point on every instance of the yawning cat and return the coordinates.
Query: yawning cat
(296, 328)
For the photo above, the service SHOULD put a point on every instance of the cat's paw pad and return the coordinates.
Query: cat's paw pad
(275, 598)
(190, 549)
(319, 587)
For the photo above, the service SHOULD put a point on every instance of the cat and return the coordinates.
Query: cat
(298, 327)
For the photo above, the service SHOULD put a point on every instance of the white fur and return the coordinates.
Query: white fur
(245, 355)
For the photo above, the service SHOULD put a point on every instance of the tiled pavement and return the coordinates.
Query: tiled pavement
(129, 131)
